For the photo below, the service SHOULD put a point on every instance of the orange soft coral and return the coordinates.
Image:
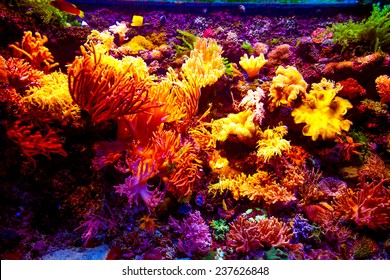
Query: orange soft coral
(246, 236)
(286, 86)
(33, 49)
(252, 65)
(323, 111)
(383, 87)
(165, 163)
(107, 88)
(368, 207)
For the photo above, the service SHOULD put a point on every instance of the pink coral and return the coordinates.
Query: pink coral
(195, 234)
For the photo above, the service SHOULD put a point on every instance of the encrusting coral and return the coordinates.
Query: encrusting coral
(323, 111)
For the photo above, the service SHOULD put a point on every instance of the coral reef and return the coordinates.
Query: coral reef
(170, 134)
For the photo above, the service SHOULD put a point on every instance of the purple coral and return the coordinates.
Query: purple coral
(301, 229)
(195, 234)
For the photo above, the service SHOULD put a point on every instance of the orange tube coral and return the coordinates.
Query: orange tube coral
(107, 88)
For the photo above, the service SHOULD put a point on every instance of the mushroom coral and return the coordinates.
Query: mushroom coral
(323, 111)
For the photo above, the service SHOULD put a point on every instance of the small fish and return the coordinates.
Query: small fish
(137, 21)
(67, 7)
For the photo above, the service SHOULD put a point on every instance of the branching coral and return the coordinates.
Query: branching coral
(252, 65)
(253, 101)
(246, 236)
(257, 187)
(272, 143)
(323, 111)
(383, 87)
(34, 143)
(368, 207)
(33, 49)
(286, 86)
(52, 96)
(195, 237)
(374, 168)
(108, 88)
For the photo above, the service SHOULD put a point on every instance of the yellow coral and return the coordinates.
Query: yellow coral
(102, 41)
(52, 95)
(323, 111)
(239, 125)
(205, 64)
(286, 86)
(256, 187)
(139, 43)
(252, 65)
(272, 143)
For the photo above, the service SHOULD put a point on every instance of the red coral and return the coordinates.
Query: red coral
(34, 143)
(351, 89)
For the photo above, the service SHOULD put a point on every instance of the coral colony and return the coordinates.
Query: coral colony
(218, 134)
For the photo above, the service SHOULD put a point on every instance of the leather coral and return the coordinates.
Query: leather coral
(323, 111)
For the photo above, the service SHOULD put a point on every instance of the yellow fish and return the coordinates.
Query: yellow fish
(137, 21)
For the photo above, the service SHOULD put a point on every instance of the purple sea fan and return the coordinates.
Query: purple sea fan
(195, 234)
